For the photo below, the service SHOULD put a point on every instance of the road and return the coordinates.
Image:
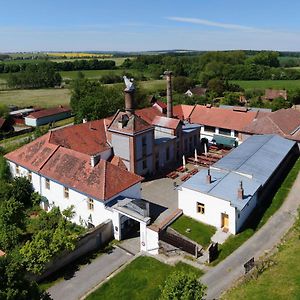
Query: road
(89, 276)
(221, 277)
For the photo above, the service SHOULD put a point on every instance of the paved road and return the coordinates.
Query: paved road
(89, 276)
(221, 277)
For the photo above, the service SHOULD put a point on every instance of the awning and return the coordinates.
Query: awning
(224, 140)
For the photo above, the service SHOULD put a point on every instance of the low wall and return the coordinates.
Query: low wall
(93, 240)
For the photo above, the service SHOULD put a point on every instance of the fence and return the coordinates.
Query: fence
(179, 242)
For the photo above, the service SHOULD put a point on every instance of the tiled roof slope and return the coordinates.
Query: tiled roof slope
(148, 114)
(48, 112)
(222, 118)
(165, 122)
(74, 170)
(182, 111)
(88, 138)
(134, 123)
(285, 122)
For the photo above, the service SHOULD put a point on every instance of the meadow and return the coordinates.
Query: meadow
(266, 84)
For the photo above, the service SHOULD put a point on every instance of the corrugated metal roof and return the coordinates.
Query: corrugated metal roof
(253, 163)
(258, 156)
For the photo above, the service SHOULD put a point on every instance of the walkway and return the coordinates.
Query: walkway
(89, 276)
(226, 273)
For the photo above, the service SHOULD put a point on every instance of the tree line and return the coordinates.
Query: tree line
(76, 65)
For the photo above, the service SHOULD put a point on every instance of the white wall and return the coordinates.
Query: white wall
(214, 207)
(83, 215)
(151, 241)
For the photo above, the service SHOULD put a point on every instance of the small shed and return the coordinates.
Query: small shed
(47, 116)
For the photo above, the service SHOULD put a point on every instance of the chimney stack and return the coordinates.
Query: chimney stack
(168, 75)
(129, 95)
(208, 177)
(241, 191)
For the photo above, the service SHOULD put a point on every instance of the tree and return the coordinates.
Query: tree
(181, 84)
(231, 98)
(217, 86)
(12, 223)
(13, 283)
(182, 286)
(21, 190)
(4, 111)
(4, 169)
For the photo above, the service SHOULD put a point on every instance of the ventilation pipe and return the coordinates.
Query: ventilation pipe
(241, 191)
(129, 95)
(208, 177)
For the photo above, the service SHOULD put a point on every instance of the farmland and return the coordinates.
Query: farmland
(41, 97)
(265, 84)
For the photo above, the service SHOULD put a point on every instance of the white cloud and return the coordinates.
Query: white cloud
(212, 23)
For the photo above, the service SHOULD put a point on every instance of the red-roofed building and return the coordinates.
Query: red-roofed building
(46, 116)
(183, 112)
(221, 124)
(284, 122)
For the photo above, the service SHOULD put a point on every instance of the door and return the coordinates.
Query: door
(225, 221)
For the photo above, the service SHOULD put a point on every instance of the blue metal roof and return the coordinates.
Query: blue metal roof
(253, 163)
(187, 127)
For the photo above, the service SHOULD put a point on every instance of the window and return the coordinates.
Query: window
(29, 176)
(167, 154)
(144, 164)
(90, 204)
(144, 141)
(224, 131)
(209, 129)
(200, 208)
(47, 184)
(17, 170)
(66, 192)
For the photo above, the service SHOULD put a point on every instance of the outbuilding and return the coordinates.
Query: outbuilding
(226, 194)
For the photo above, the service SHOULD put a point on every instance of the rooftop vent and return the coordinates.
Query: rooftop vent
(241, 191)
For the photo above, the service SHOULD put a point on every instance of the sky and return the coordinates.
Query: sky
(137, 25)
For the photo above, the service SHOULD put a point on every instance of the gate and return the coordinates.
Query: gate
(179, 242)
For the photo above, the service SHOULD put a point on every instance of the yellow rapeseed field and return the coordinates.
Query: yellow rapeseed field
(79, 55)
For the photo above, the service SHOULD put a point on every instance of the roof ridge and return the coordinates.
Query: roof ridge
(104, 180)
(48, 158)
(275, 124)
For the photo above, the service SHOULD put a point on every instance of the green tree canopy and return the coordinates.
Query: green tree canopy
(182, 286)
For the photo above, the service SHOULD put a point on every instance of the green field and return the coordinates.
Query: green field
(55, 97)
(266, 84)
(141, 279)
(41, 97)
(280, 281)
(118, 60)
(199, 232)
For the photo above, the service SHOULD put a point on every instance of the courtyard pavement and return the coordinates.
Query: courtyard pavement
(227, 272)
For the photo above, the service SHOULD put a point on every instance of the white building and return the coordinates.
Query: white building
(228, 193)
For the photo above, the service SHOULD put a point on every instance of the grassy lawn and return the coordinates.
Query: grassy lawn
(280, 281)
(40, 97)
(153, 85)
(266, 84)
(141, 279)
(199, 232)
(233, 242)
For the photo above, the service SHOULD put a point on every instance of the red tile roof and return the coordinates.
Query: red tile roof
(199, 91)
(73, 169)
(182, 111)
(134, 123)
(148, 114)
(101, 182)
(48, 112)
(2, 253)
(117, 161)
(89, 138)
(222, 118)
(273, 94)
(285, 122)
(165, 122)
(163, 105)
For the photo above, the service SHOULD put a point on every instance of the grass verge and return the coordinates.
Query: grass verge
(279, 281)
(141, 279)
(266, 84)
(198, 231)
(234, 242)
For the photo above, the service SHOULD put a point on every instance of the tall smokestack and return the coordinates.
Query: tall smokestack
(168, 75)
(129, 95)
(241, 191)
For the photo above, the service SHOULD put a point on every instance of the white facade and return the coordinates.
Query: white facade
(56, 197)
(215, 209)
(210, 134)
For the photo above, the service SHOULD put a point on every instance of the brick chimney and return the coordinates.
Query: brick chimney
(168, 75)
(208, 177)
(241, 191)
(129, 95)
